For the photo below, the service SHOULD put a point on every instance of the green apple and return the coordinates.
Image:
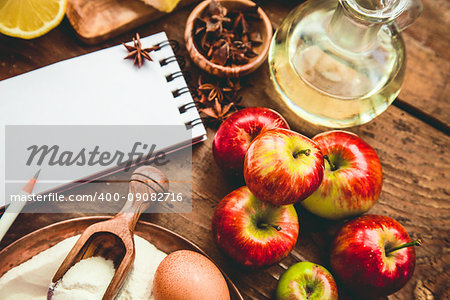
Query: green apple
(306, 280)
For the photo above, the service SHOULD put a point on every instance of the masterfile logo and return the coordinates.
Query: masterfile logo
(73, 155)
(54, 155)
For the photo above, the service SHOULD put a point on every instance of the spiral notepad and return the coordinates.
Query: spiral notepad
(103, 88)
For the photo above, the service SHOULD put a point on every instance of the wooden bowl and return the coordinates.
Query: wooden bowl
(28, 246)
(264, 27)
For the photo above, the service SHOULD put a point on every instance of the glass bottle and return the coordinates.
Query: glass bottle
(341, 63)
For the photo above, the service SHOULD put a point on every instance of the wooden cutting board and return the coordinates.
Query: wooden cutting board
(99, 20)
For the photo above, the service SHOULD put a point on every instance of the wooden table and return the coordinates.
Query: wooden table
(411, 138)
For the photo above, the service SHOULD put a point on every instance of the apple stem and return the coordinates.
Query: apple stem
(264, 225)
(413, 243)
(332, 166)
(307, 152)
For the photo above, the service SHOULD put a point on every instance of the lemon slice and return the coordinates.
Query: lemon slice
(162, 5)
(28, 19)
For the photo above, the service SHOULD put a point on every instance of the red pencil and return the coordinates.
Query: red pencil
(14, 208)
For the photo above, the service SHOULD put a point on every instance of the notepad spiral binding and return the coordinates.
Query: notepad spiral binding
(182, 73)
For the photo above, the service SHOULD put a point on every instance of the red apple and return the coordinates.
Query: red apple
(306, 280)
(234, 136)
(372, 255)
(352, 181)
(252, 232)
(283, 167)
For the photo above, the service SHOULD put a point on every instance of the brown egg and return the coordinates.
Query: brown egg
(188, 275)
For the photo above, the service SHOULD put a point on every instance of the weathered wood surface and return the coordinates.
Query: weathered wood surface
(416, 167)
(427, 79)
(97, 21)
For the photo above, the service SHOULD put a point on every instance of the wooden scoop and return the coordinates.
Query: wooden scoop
(113, 239)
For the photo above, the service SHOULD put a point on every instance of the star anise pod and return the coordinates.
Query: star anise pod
(215, 8)
(217, 98)
(137, 53)
(209, 91)
(233, 85)
(218, 112)
(221, 55)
